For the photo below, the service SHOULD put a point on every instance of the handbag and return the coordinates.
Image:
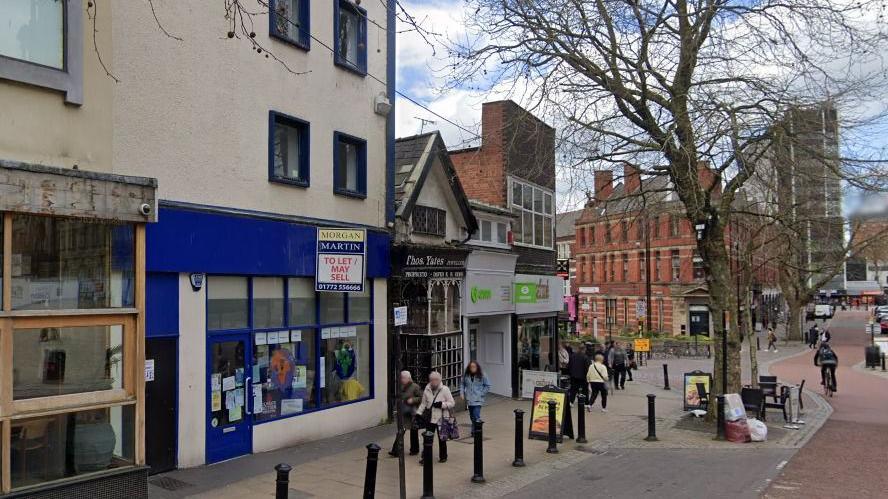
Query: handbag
(448, 428)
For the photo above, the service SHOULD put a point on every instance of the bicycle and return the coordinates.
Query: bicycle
(828, 384)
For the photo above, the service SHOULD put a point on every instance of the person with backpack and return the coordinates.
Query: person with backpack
(827, 359)
(597, 377)
(617, 361)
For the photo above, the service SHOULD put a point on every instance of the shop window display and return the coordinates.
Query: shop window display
(345, 363)
(283, 373)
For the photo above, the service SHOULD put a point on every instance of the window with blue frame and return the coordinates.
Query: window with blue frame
(290, 21)
(349, 165)
(350, 30)
(288, 149)
(311, 350)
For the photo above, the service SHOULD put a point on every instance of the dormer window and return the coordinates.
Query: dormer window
(428, 220)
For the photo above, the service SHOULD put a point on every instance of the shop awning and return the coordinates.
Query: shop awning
(863, 288)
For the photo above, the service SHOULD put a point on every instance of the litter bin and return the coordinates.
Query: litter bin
(872, 356)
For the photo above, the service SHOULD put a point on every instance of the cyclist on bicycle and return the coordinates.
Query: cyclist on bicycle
(827, 359)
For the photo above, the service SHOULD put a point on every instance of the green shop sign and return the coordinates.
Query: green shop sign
(525, 292)
(478, 294)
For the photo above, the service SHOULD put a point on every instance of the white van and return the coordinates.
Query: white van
(824, 311)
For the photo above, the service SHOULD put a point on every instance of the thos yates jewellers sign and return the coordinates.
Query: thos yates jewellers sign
(428, 262)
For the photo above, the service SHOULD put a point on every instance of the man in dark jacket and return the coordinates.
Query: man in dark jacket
(827, 359)
(577, 367)
(410, 396)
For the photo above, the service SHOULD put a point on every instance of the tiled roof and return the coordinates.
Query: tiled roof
(408, 150)
(564, 223)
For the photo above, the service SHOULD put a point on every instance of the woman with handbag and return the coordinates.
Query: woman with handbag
(410, 397)
(474, 388)
(597, 378)
(436, 411)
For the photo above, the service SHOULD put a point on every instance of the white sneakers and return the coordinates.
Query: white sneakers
(603, 410)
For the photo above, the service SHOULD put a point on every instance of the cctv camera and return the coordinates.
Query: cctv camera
(145, 209)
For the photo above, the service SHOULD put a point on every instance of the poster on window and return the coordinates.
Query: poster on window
(341, 260)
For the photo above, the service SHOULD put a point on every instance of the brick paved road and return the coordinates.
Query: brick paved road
(847, 457)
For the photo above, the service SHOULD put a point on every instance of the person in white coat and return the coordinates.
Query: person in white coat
(437, 401)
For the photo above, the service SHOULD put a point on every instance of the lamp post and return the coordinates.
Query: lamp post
(647, 275)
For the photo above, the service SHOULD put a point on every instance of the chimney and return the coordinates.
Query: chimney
(604, 184)
(707, 177)
(632, 177)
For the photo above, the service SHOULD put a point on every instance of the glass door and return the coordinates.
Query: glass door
(229, 410)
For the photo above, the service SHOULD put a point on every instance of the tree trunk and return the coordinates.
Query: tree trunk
(793, 320)
(749, 328)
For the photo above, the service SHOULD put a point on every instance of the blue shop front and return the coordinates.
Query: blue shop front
(244, 355)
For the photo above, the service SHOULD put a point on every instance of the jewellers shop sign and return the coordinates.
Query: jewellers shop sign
(428, 262)
(341, 260)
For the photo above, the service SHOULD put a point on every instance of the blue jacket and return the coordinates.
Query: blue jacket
(474, 389)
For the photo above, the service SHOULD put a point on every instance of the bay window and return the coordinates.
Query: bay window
(534, 210)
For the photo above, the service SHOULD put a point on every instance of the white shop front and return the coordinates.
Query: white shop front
(538, 299)
(488, 315)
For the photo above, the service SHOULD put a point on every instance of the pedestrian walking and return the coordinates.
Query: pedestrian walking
(772, 340)
(410, 396)
(630, 356)
(825, 336)
(617, 361)
(474, 388)
(436, 402)
(813, 336)
(597, 377)
(577, 367)
(564, 352)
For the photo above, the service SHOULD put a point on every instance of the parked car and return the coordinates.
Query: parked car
(880, 311)
(824, 311)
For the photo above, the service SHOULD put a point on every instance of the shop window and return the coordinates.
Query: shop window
(48, 448)
(65, 263)
(290, 21)
(268, 302)
(284, 373)
(428, 220)
(359, 304)
(53, 361)
(332, 308)
(349, 165)
(228, 304)
(444, 305)
(301, 298)
(346, 363)
(289, 150)
(351, 36)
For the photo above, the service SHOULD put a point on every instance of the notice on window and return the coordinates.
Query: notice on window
(228, 383)
(257, 397)
(291, 406)
(216, 404)
(149, 369)
(341, 260)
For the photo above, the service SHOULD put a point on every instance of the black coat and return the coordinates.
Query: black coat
(578, 365)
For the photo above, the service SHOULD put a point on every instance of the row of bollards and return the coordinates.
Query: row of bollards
(283, 470)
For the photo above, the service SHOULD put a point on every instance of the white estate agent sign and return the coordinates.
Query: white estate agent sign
(342, 257)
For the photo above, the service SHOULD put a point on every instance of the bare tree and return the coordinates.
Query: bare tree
(673, 86)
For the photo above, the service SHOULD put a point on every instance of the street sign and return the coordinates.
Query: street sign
(400, 316)
(642, 344)
(562, 267)
(640, 308)
(341, 258)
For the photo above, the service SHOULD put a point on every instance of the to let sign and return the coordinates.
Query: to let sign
(341, 260)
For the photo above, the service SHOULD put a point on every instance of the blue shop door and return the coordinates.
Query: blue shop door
(229, 420)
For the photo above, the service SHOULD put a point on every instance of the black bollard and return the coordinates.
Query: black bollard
(581, 419)
(427, 487)
(758, 343)
(478, 476)
(883, 361)
(652, 423)
(282, 484)
(519, 439)
(553, 447)
(666, 376)
(720, 418)
(370, 472)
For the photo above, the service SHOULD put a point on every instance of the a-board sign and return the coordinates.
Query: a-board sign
(341, 260)
(530, 380)
(691, 396)
(642, 344)
(539, 412)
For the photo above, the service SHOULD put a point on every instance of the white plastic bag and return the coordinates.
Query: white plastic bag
(734, 409)
(758, 431)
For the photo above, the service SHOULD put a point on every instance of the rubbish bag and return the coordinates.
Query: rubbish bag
(734, 409)
(737, 431)
(758, 431)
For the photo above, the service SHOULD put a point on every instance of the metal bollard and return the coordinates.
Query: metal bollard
(370, 472)
(553, 447)
(282, 484)
(652, 423)
(666, 376)
(720, 418)
(519, 439)
(478, 476)
(883, 362)
(581, 419)
(427, 477)
(758, 343)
